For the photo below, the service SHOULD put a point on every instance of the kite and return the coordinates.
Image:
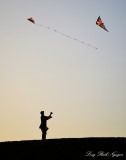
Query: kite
(100, 23)
(33, 21)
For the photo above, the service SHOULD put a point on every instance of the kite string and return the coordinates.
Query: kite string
(66, 35)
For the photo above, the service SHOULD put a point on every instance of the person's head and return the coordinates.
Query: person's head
(42, 112)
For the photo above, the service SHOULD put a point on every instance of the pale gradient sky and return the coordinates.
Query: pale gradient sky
(43, 70)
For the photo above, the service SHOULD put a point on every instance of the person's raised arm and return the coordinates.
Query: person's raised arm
(50, 116)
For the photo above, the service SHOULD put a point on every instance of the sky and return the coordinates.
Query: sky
(42, 70)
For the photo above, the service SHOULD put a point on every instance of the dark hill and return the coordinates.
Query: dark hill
(65, 148)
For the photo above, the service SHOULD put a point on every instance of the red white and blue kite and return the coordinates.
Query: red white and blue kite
(100, 23)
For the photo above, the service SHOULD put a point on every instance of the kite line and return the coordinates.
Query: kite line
(65, 35)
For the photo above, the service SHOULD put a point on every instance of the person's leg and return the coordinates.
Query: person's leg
(43, 135)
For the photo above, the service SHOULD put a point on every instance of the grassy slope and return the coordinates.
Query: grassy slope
(65, 148)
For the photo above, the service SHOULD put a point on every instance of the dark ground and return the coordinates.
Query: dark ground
(65, 148)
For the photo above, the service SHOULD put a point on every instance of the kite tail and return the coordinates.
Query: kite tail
(65, 35)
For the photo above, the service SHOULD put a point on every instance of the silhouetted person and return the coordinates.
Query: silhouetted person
(43, 125)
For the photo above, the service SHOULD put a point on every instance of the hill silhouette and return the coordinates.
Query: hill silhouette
(65, 148)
